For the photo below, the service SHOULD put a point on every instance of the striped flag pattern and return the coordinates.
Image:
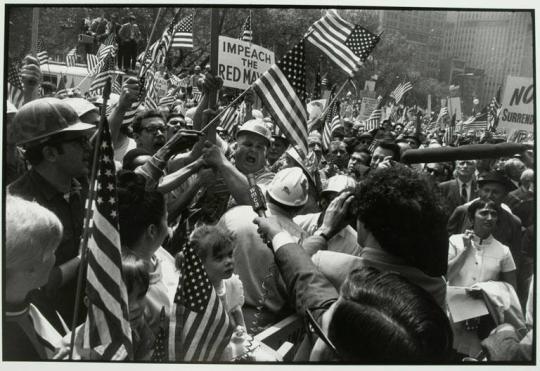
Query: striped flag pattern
(71, 57)
(96, 87)
(329, 122)
(494, 110)
(246, 34)
(400, 91)
(443, 113)
(92, 63)
(448, 136)
(283, 91)
(42, 55)
(374, 119)
(14, 85)
(107, 329)
(476, 123)
(348, 45)
(229, 119)
(183, 36)
(199, 328)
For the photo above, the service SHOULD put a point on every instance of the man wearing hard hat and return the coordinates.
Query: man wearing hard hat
(286, 195)
(56, 145)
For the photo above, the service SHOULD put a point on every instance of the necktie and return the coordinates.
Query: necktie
(464, 192)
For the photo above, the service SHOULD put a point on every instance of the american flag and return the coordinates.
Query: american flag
(443, 113)
(199, 328)
(107, 329)
(448, 136)
(130, 114)
(116, 87)
(282, 89)
(61, 87)
(196, 93)
(324, 81)
(42, 55)
(374, 119)
(348, 45)
(71, 57)
(400, 91)
(476, 123)
(317, 87)
(329, 122)
(14, 85)
(246, 34)
(92, 63)
(160, 352)
(107, 47)
(96, 87)
(167, 100)
(493, 110)
(183, 35)
(229, 119)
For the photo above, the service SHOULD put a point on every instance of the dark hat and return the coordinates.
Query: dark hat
(495, 177)
(365, 135)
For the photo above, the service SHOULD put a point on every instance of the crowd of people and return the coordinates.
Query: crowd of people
(364, 247)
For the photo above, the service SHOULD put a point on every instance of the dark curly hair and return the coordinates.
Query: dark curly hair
(146, 114)
(403, 211)
(137, 208)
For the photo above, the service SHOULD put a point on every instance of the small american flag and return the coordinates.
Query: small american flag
(107, 330)
(183, 36)
(400, 91)
(282, 89)
(448, 137)
(246, 33)
(329, 123)
(130, 114)
(229, 119)
(196, 93)
(476, 123)
(374, 119)
(160, 351)
(42, 55)
(96, 87)
(167, 100)
(494, 110)
(348, 45)
(107, 47)
(317, 87)
(199, 328)
(71, 57)
(443, 113)
(14, 84)
(324, 81)
(92, 63)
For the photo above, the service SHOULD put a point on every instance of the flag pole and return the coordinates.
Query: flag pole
(148, 44)
(83, 247)
(215, 119)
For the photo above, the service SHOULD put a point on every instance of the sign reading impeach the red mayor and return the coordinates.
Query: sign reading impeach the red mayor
(517, 111)
(240, 63)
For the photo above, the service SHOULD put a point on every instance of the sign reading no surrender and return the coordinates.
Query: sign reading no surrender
(240, 63)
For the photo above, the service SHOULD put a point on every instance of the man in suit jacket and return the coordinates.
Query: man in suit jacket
(129, 35)
(463, 188)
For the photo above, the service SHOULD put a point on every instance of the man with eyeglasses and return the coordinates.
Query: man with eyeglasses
(57, 147)
(463, 188)
(149, 130)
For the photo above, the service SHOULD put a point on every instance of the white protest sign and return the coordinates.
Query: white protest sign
(517, 111)
(366, 107)
(161, 87)
(240, 63)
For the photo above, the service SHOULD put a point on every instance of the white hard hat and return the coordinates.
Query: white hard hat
(258, 127)
(339, 183)
(257, 114)
(289, 187)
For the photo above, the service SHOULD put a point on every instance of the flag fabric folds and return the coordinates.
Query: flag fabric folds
(108, 67)
(400, 91)
(494, 110)
(42, 55)
(199, 327)
(71, 57)
(282, 88)
(229, 119)
(476, 123)
(348, 45)
(183, 36)
(448, 137)
(246, 34)
(374, 119)
(92, 63)
(14, 85)
(107, 330)
(331, 122)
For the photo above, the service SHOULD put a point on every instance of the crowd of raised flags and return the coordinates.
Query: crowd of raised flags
(282, 90)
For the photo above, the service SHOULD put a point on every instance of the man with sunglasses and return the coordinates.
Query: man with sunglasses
(375, 318)
(56, 146)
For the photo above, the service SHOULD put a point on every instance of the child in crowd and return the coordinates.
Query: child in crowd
(213, 245)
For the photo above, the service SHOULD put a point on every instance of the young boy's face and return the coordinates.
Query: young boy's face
(136, 306)
(221, 265)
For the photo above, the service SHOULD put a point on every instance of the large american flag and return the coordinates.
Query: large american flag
(282, 88)
(348, 45)
(183, 35)
(330, 122)
(71, 57)
(400, 91)
(107, 329)
(14, 85)
(246, 34)
(443, 113)
(199, 328)
(42, 55)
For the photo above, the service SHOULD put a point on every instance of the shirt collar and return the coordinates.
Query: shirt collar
(48, 190)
